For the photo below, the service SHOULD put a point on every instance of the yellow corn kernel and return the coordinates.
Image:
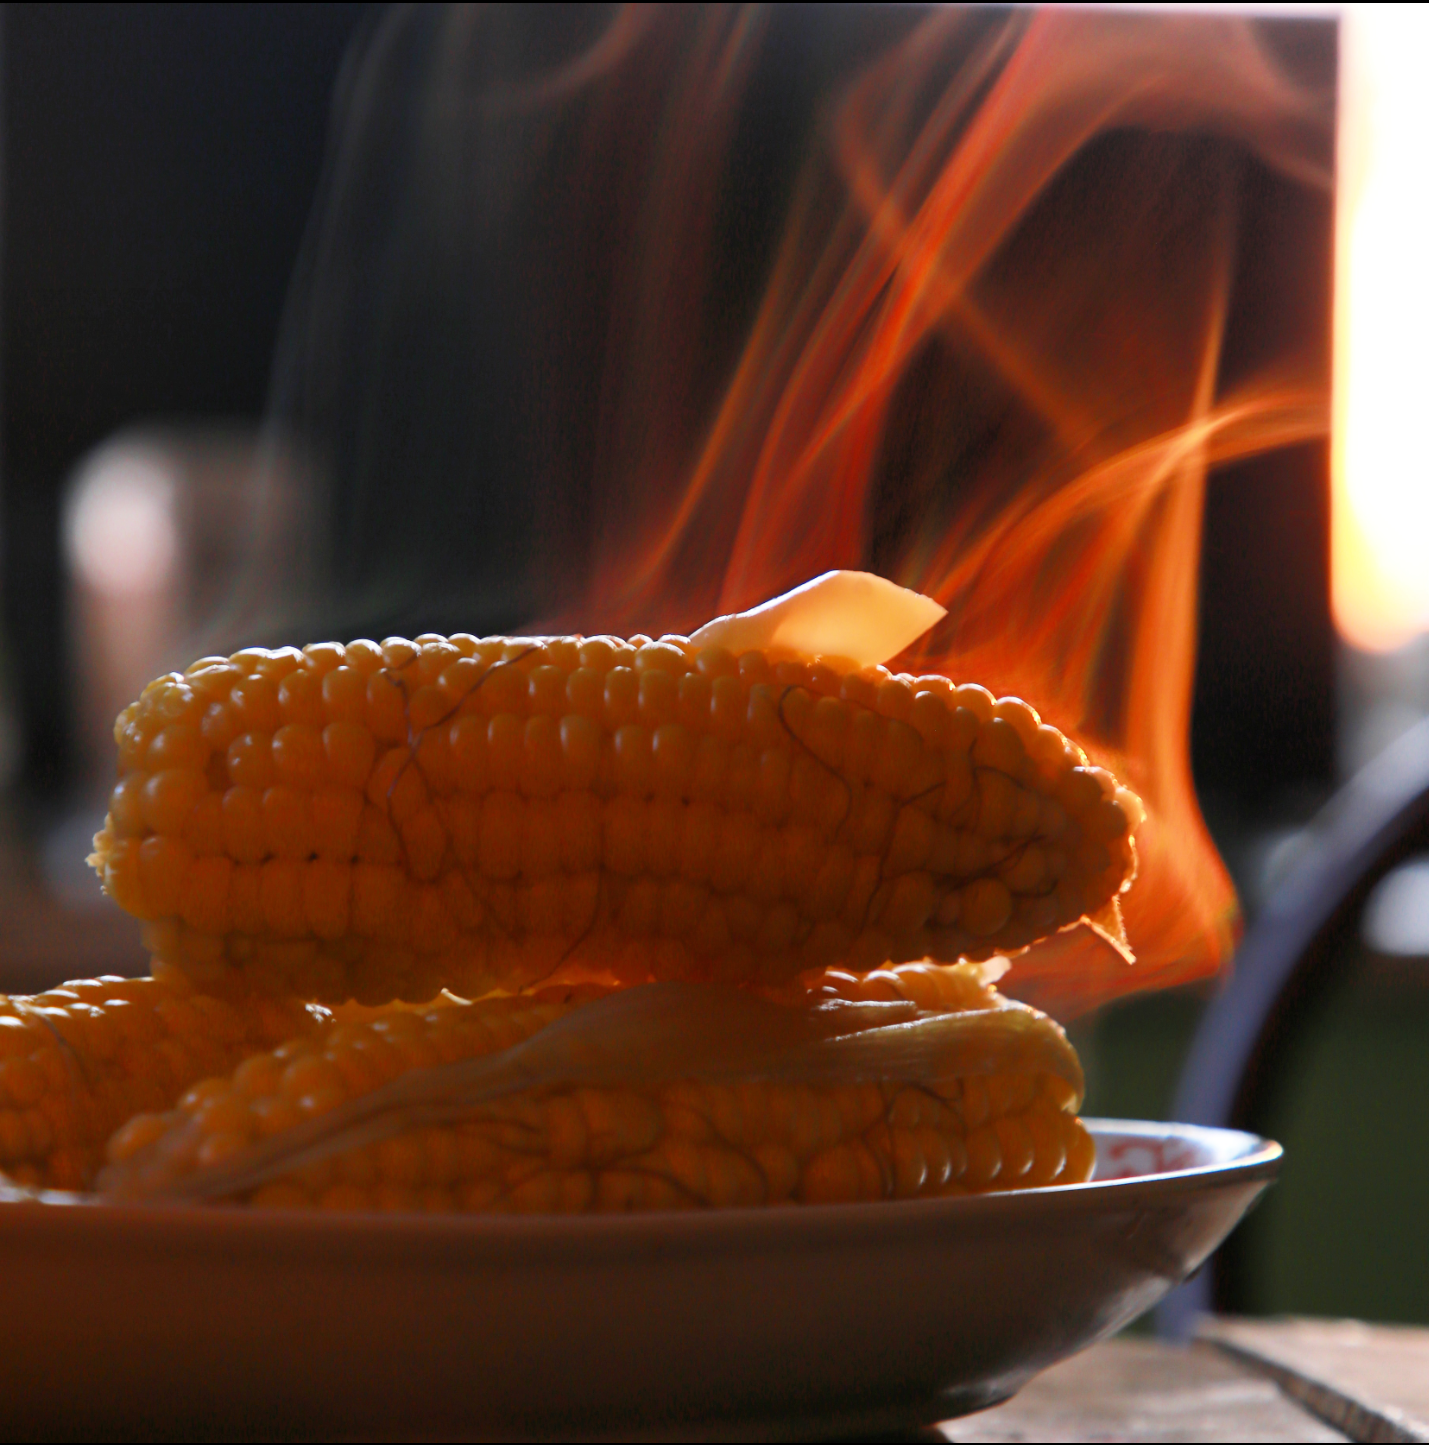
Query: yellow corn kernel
(824, 817)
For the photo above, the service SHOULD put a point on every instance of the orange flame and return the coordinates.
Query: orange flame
(1027, 226)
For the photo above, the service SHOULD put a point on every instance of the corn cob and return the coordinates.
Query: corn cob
(79, 1060)
(988, 1117)
(375, 822)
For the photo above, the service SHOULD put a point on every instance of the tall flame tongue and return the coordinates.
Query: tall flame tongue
(952, 265)
(984, 364)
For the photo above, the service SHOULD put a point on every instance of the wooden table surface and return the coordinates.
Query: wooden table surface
(1240, 1380)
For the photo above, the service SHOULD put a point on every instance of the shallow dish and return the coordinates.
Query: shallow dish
(802, 1321)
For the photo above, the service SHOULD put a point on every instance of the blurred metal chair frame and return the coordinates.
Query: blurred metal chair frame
(1287, 959)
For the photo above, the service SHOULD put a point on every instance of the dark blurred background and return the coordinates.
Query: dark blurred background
(160, 162)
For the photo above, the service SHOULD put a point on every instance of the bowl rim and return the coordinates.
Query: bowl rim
(48, 1213)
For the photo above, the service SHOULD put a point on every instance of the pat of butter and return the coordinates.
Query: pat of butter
(852, 615)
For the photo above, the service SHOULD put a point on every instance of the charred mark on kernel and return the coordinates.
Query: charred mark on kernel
(833, 772)
(75, 1066)
(535, 1146)
(584, 936)
(414, 741)
(961, 817)
(479, 886)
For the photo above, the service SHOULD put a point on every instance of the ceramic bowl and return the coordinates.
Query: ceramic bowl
(799, 1321)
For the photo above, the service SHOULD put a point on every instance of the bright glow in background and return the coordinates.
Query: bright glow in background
(1380, 452)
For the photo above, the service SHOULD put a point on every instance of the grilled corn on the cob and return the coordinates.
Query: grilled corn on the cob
(375, 822)
(438, 1111)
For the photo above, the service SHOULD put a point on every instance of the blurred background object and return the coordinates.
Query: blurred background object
(160, 166)
(1318, 1034)
(160, 526)
(1343, 1056)
(1320, 1039)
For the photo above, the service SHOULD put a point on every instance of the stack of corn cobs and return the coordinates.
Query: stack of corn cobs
(577, 925)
